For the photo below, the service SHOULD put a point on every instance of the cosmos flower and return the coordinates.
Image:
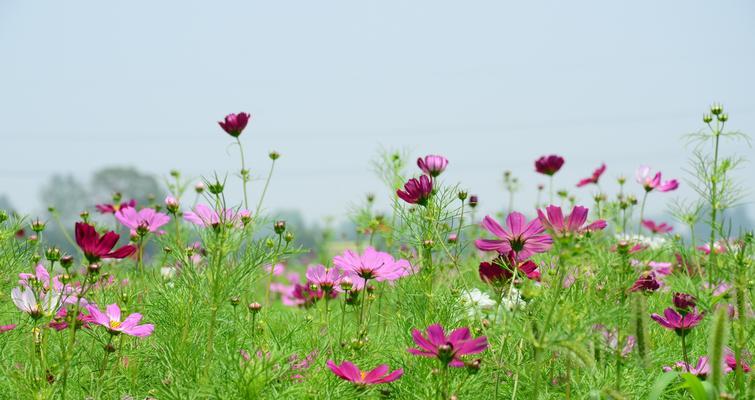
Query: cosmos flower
(718, 248)
(594, 178)
(106, 208)
(371, 265)
(549, 165)
(448, 349)
(96, 247)
(701, 369)
(350, 372)
(522, 238)
(6, 328)
(684, 302)
(657, 228)
(111, 320)
(650, 183)
(731, 362)
(204, 215)
(646, 283)
(500, 270)
(325, 279)
(36, 304)
(234, 124)
(573, 224)
(611, 340)
(674, 321)
(416, 191)
(432, 165)
(146, 219)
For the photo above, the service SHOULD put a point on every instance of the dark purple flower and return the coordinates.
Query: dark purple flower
(417, 191)
(684, 302)
(549, 165)
(646, 283)
(234, 124)
(500, 269)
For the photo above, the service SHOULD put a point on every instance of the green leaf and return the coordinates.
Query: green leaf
(661, 384)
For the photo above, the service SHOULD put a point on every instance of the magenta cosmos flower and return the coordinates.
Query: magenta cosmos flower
(7, 328)
(111, 320)
(107, 208)
(656, 228)
(647, 282)
(416, 191)
(432, 165)
(325, 279)
(573, 224)
(653, 182)
(549, 165)
(146, 218)
(676, 322)
(500, 270)
(522, 238)
(350, 372)
(204, 215)
(96, 247)
(448, 349)
(234, 124)
(594, 178)
(372, 264)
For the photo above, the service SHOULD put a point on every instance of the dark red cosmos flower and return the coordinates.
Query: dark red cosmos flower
(234, 124)
(500, 269)
(549, 165)
(684, 302)
(106, 208)
(594, 178)
(646, 283)
(96, 247)
(416, 191)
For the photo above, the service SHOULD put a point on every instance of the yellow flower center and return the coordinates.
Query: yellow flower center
(115, 324)
(363, 374)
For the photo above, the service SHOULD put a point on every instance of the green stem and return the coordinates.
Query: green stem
(244, 172)
(264, 189)
(642, 212)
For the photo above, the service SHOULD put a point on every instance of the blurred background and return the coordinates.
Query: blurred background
(102, 96)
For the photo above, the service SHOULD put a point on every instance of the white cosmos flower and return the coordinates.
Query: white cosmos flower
(26, 301)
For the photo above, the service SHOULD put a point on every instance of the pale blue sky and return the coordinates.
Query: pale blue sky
(490, 84)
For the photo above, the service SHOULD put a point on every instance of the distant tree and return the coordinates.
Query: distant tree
(69, 198)
(131, 183)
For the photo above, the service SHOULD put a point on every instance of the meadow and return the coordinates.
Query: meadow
(576, 295)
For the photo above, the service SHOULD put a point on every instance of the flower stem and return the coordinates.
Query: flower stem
(642, 211)
(264, 189)
(684, 350)
(244, 172)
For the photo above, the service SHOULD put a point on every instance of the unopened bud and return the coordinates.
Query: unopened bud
(428, 243)
(274, 155)
(199, 187)
(52, 254)
(254, 307)
(93, 268)
(37, 226)
(143, 228)
(109, 348)
(3, 216)
(175, 173)
(171, 203)
(453, 238)
(370, 197)
(716, 109)
(473, 201)
(234, 300)
(279, 227)
(346, 283)
(66, 261)
(34, 257)
(707, 118)
(289, 237)
(723, 117)
(462, 195)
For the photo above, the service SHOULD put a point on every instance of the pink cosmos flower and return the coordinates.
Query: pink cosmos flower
(234, 124)
(731, 362)
(106, 208)
(718, 247)
(500, 269)
(522, 238)
(36, 304)
(448, 349)
(628, 247)
(352, 373)
(549, 165)
(111, 320)
(594, 178)
(416, 191)
(676, 322)
(204, 215)
(325, 279)
(432, 165)
(701, 369)
(644, 178)
(6, 328)
(60, 323)
(371, 264)
(146, 218)
(657, 228)
(68, 294)
(276, 269)
(573, 224)
(96, 247)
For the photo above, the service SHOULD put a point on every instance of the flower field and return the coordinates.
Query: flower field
(576, 294)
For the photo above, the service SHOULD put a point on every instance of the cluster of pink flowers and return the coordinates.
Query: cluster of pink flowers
(419, 191)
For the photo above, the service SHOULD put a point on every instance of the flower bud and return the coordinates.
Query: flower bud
(723, 117)
(279, 227)
(289, 237)
(216, 188)
(246, 217)
(93, 268)
(274, 155)
(716, 109)
(52, 254)
(171, 203)
(453, 238)
(428, 243)
(175, 173)
(370, 197)
(684, 302)
(622, 180)
(234, 300)
(66, 261)
(142, 229)
(109, 348)
(37, 226)
(473, 201)
(199, 187)
(254, 307)
(707, 118)
(84, 215)
(346, 283)
(34, 257)
(462, 195)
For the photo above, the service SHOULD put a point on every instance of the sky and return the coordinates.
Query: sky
(492, 85)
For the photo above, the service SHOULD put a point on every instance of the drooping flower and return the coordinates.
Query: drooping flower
(371, 265)
(701, 369)
(326, 279)
(522, 238)
(573, 224)
(234, 124)
(684, 302)
(657, 228)
(650, 183)
(111, 319)
(350, 372)
(500, 270)
(107, 208)
(204, 215)
(416, 191)
(676, 322)
(96, 247)
(448, 349)
(145, 220)
(646, 283)
(36, 304)
(549, 165)
(432, 165)
(594, 178)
